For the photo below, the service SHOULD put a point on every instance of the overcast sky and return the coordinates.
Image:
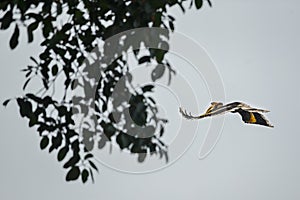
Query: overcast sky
(255, 46)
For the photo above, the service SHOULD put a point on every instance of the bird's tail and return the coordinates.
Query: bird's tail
(190, 116)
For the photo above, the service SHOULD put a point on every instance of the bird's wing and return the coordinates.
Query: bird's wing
(239, 105)
(254, 118)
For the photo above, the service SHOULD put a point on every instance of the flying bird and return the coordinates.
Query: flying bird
(249, 115)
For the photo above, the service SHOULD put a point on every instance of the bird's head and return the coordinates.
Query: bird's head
(214, 103)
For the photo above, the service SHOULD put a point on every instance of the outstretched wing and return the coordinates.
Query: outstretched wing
(253, 118)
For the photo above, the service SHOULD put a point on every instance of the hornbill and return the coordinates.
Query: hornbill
(249, 115)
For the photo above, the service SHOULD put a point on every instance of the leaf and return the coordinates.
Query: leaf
(6, 20)
(181, 6)
(141, 157)
(144, 59)
(102, 142)
(171, 17)
(26, 83)
(191, 4)
(34, 60)
(158, 72)
(73, 174)
(62, 111)
(160, 53)
(6, 102)
(92, 175)
(84, 175)
(44, 142)
(87, 156)
(74, 84)
(137, 110)
(171, 24)
(136, 148)
(14, 40)
(72, 161)
(25, 107)
(28, 74)
(147, 88)
(93, 165)
(198, 3)
(209, 3)
(162, 130)
(54, 70)
(152, 100)
(48, 27)
(62, 153)
(124, 140)
(33, 119)
(33, 26)
(56, 141)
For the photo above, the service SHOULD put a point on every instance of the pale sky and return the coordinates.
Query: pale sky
(255, 46)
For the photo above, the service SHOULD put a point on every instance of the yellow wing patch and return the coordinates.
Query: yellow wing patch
(252, 118)
(209, 109)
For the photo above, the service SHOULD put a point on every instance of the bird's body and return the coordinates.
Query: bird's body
(249, 115)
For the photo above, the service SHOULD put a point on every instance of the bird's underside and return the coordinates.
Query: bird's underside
(249, 115)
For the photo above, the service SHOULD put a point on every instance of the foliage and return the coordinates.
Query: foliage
(71, 30)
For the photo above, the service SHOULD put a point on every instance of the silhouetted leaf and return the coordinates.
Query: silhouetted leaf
(92, 175)
(141, 157)
(88, 140)
(33, 26)
(44, 142)
(47, 101)
(147, 88)
(144, 59)
(72, 161)
(47, 27)
(198, 3)
(6, 102)
(54, 70)
(73, 174)
(109, 129)
(137, 110)
(33, 119)
(26, 83)
(171, 17)
(45, 83)
(209, 3)
(34, 60)
(102, 142)
(158, 72)
(162, 130)
(25, 107)
(14, 40)
(74, 84)
(181, 6)
(87, 156)
(56, 141)
(93, 165)
(124, 140)
(7, 19)
(152, 100)
(137, 148)
(62, 110)
(84, 175)
(171, 24)
(62, 153)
